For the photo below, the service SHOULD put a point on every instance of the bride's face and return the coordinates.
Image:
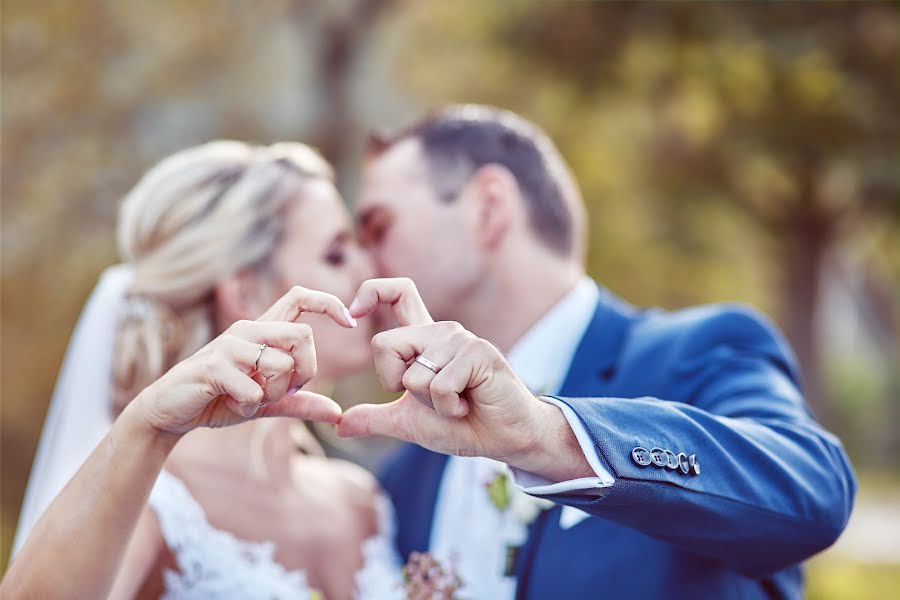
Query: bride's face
(319, 251)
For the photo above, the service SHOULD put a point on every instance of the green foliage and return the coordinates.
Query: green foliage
(729, 151)
(835, 580)
(498, 492)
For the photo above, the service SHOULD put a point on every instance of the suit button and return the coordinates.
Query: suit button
(683, 463)
(694, 463)
(641, 456)
(672, 462)
(658, 457)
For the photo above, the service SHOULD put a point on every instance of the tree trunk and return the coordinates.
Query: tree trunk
(805, 237)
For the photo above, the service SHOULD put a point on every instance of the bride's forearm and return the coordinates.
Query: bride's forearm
(76, 546)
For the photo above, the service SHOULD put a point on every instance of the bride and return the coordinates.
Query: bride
(212, 236)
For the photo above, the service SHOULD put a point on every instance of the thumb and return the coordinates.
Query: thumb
(308, 406)
(405, 419)
(364, 420)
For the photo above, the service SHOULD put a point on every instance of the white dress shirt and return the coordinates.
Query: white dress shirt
(468, 531)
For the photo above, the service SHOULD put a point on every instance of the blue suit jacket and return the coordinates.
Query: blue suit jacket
(714, 381)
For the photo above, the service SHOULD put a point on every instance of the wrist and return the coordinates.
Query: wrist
(136, 420)
(554, 452)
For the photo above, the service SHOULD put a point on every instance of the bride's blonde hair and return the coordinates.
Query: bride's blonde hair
(193, 219)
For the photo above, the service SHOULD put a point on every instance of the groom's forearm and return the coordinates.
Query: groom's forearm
(83, 534)
(555, 453)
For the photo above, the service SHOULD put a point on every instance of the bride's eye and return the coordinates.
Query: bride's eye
(336, 258)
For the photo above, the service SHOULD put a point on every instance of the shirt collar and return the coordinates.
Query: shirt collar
(542, 356)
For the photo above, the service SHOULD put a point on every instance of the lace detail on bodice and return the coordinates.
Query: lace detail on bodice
(213, 563)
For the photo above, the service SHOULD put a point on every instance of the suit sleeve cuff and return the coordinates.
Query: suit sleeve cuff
(588, 486)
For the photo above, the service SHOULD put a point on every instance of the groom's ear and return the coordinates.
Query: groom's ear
(497, 193)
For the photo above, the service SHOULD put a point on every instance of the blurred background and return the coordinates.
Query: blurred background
(744, 151)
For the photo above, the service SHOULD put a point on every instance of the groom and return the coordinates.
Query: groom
(676, 448)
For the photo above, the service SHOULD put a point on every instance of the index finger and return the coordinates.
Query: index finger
(392, 350)
(300, 300)
(399, 292)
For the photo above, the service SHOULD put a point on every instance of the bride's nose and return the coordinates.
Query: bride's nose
(365, 265)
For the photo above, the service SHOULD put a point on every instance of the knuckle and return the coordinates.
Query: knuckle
(388, 382)
(479, 345)
(379, 342)
(208, 388)
(411, 380)
(450, 327)
(407, 380)
(440, 388)
(227, 339)
(461, 339)
(285, 362)
(334, 300)
(306, 368)
(255, 395)
(242, 325)
(414, 381)
(213, 362)
(304, 332)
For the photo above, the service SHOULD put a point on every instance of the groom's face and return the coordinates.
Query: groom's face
(410, 232)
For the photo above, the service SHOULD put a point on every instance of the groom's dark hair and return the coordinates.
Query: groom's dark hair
(460, 139)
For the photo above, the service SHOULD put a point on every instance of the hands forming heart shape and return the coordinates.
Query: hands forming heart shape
(460, 395)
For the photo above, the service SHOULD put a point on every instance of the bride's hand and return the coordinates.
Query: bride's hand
(252, 370)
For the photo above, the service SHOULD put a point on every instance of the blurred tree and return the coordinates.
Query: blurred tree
(726, 151)
(93, 94)
(777, 122)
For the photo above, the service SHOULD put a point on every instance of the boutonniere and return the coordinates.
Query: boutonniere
(425, 578)
(509, 498)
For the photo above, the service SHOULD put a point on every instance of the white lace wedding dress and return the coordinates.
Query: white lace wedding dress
(215, 564)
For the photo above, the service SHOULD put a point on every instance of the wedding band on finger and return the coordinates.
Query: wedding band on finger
(428, 364)
(258, 356)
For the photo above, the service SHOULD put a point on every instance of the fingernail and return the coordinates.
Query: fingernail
(354, 305)
(350, 318)
(293, 390)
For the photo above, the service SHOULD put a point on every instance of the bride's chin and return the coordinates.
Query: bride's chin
(350, 359)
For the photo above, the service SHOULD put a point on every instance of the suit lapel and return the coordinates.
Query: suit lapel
(594, 364)
(430, 483)
(416, 498)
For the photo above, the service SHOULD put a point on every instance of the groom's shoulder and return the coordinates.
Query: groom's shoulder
(697, 330)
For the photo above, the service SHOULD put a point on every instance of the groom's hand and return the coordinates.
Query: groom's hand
(399, 293)
(473, 405)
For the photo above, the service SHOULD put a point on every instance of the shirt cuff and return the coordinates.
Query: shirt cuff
(589, 486)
